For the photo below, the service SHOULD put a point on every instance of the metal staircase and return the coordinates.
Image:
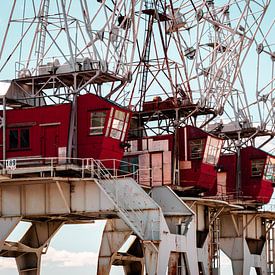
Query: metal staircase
(138, 210)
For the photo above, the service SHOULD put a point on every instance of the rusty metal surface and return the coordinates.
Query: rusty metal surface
(173, 264)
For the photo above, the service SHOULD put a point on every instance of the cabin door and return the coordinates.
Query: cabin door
(49, 142)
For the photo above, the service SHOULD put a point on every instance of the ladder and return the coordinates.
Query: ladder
(215, 245)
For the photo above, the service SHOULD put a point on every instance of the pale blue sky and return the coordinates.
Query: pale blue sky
(73, 250)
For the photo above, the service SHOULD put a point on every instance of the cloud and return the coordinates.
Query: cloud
(59, 258)
(7, 263)
(64, 258)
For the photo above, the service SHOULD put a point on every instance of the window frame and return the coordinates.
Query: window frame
(212, 150)
(114, 118)
(100, 129)
(20, 141)
(192, 144)
(269, 169)
(257, 161)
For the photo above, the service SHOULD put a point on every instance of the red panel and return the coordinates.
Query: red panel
(34, 118)
(200, 176)
(97, 146)
(228, 163)
(50, 141)
(49, 128)
(254, 188)
(208, 177)
(158, 104)
(193, 133)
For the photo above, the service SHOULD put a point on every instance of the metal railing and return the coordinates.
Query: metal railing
(241, 198)
(106, 173)
(64, 64)
(85, 166)
(133, 216)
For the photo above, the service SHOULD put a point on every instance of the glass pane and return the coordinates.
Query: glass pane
(115, 134)
(196, 148)
(119, 115)
(97, 122)
(118, 124)
(257, 166)
(25, 138)
(270, 169)
(212, 150)
(13, 139)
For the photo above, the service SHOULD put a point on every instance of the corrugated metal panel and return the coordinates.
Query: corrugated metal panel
(156, 160)
(145, 144)
(167, 167)
(144, 173)
(158, 145)
(134, 146)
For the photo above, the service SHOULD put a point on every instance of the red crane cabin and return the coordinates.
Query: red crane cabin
(257, 175)
(43, 132)
(257, 168)
(199, 154)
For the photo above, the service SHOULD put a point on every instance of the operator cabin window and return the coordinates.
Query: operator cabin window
(212, 150)
(97, 122)
(19, 138)
(270, 169)
(196, 148)
(257, 166)
(119, 125)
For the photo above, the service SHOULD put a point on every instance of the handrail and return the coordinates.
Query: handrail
(84, 166)
(102, 173)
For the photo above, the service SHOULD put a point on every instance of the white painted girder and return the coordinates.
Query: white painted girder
(235, 232)
(7, 225)
(36, 238)
(70, 198)
(115, 234)
(53, 196)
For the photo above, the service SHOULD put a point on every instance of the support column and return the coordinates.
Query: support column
(36, 238)
(157, 255)
(115, 233)
(173, 263)
(249, 260)
(151, 258)
(242, 240)
(7, 225)
(134, 260)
